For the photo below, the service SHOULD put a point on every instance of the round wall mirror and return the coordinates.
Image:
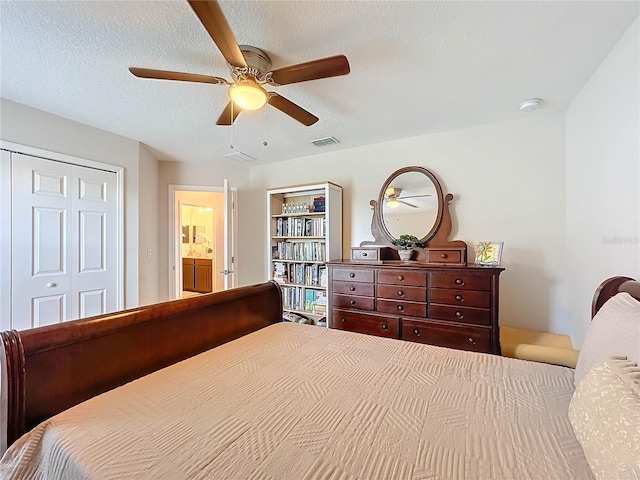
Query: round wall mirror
(410, 203)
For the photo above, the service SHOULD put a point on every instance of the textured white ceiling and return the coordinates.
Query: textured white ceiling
(416, 67)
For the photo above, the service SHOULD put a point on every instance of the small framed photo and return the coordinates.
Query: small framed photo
(488, 253)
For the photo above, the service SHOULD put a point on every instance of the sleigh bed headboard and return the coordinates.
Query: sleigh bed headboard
(48, 369)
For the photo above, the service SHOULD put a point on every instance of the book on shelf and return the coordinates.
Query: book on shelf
(321, 298)
(323, 276)
(279, 272)
(309, 299)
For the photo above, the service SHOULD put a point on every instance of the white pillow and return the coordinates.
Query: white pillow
(605, 415)
(614, 330)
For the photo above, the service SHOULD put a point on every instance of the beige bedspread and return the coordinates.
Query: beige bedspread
(301, 402)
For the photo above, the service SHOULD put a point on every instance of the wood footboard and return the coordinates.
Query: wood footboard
(49, 369)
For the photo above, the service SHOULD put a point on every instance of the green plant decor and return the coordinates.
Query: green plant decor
(407, 242)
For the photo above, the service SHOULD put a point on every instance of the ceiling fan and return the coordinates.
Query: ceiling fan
(249, 68)
(393, 198)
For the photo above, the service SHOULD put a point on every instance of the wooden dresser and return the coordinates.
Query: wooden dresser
(454, 307)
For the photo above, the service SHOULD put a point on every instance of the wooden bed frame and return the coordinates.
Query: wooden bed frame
(46, 370)
(49, 369)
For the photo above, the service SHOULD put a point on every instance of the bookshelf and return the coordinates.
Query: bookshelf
(304, 230)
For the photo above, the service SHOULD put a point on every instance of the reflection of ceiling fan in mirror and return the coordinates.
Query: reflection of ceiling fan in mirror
(249, 68)
(393, 197)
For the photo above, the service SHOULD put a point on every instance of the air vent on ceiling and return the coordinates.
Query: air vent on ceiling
(322, 142)
(240, 157)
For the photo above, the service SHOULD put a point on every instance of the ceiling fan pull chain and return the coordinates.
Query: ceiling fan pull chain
(264, 144)
(231, 131)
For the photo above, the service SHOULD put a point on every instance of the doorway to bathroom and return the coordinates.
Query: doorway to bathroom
(202, 240)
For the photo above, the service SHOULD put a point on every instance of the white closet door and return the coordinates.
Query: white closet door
(63, 230)
(94, 280)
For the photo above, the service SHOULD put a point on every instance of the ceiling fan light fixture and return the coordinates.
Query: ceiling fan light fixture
(248, 95)
(393, 203)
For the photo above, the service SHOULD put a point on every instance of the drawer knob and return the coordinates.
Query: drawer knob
(459, 281)
(352, 275)
(444, 255)
(385, 326)
(401, 308)
(400, 293)
(459, 314)
(352, 288)
(352, 302)
(471, 341)
(364, 254)
(343, 320)
(401, 277)
(416, 332)
(459, 298)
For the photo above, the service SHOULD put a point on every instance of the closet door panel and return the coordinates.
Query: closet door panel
(64, 239)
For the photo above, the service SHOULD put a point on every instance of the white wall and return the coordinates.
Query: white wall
(603, 178)
(508, 182)
(35, 128)
(148, 252)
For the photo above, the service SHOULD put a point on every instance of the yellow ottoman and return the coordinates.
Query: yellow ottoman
(537, 346)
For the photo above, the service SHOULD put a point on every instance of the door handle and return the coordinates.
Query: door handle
(226, 272)
(51, 285)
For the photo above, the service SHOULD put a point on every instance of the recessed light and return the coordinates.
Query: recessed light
(530, 104)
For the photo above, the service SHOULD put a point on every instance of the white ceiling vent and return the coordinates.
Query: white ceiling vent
(322, 142)
(240, 157)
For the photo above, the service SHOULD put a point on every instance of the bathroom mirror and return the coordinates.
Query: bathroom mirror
(185, 233)
(198, 234)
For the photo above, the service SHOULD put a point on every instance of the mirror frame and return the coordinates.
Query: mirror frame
(378, 213)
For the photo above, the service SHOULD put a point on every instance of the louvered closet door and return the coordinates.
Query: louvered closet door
(64, 240)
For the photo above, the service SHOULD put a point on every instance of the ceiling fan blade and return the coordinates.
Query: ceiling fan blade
(313, 70)
(417, 196)
(407, 203)
(225, 116)
(184, 77)
(213, 19)
(291, 109)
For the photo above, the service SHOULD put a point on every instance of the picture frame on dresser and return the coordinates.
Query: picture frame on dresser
(488, 253)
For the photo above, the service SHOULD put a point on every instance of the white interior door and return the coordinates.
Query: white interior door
(64, 241)
(94, 279)
(229, 250)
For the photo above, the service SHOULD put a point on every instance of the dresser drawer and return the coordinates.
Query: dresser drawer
(354, 288)
(365, 253)
(402, 277)
(401, 292)
(353, 275)
(478, 316)
(463, 338)
(369, 324)
(350, 301)
(467, 298)
(398, 307)
(459, 282)
(444, 256)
